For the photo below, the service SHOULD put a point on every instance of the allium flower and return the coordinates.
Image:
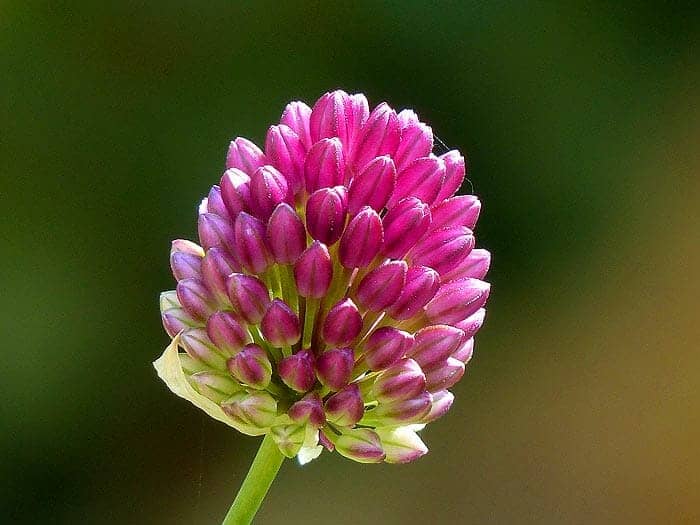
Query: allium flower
(334, 295)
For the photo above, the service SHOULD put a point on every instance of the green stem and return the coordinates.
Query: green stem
(262, 473)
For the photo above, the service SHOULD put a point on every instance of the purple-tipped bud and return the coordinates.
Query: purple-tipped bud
(286, 236)
(402, 380)
(444, 375)
(382, 286)
(235, 191)
(421, 285)
(457, 211)
(435, 343)
(325, 214)
(175, 320)
(308, 409)
(334, 367)
(217, 265)
(475, 265)
(325, 165)
(457, 300)
(442, 401)
(455, 169)
(380, 135)
(297, 371)
(329, 117)
(280, 325)
(416, 142)
(296, 116)
(313, 271)
(185, 265)
(251, 366)
(362, 239)
(249, 296)
(195, 298)
(404, 225)
(268, 187)
(245, 156)
(401, 412)
(251, 249)
(227, 333)
(343, 323)
(386, 346)
(360, 444)
(423, 178)
(286, 152)
(464, 351)
(373, 185)
(471, 325)
(345, 408)
(215, 203)
(256, 409)
(359, 113)
(401, 445)
(443, 250)
(198, 346)
(217, 386)
(215, 231)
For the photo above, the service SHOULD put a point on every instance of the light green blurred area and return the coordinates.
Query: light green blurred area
(581, 125)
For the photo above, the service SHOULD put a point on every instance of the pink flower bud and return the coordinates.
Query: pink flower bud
(308, 409)
(382, 286)
(198, 346)
(401, 412)
(313, 271)
(268, 188)
(334, 367)
(471, 325)
(297, 371)
(435, 344)
(403, 225)
(362, 239)
(286, 235)
(343, 323)
(280, 325)
(380, 135)
(387, 345)
(421, 285)
(422, 178)
(176, 320)
(360, 444)
(359, 113)
(235, 191)
(325, 214)
(215, 203)
(245, 156)
(373, 185)
(215, 231)
(401, 445)
(464, 351)
(251, 249)
(195, 298)
(286, 152)
(457, 300)
(444, 375)
(455, 169)
(325, 165)
(227, 333)
(296, 116)
(214, 385)
(249, 296)
(345, 408)
(181, 245)
(217, 265)
(256, 409)
(475, 265)
(329, 117)
(443, 250)
(442, 401)
(185, 265)
(457, 211)
(402, 380)
(251, 366)
(416, 142)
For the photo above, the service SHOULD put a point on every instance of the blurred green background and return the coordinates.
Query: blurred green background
(581, 124)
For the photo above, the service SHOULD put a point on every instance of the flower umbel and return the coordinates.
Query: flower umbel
(335, 292)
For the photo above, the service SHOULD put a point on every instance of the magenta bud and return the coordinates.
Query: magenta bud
(325, 214)
(308, 409)
(198, 346)
(268, 188)
(313, 271)
(362, 239)
(443, 250)
(334, 367)
(475, 265)
(249, 296)
(217, 265)
(421, 285)
(227, 333)
(280, 325)
(251, 366)
(195, 298)
(215, 203)
(285, 151)
(185, 265)
(471, 325)
(387, 345)
(189, 247)
(444, 375)
(297, 371)
(245, 156)
(423, 178)
(464, 351)
(215, 231)
(256, 409)
(435, 343)
(457, 300)
(401, 412)
(382, 286)
(235, 191)
(343, 323)
(296, 116)
(330, 115)
(373, 185)
(251, 249)
(416, 142)
(462, 210)
(360, 444)
(345, 408)
(176, 320)
(359, 113)
(401, 444)
(325, 165)
(442, 401)
(404, 225)
(286, 236)
(380, 135)
(402, 380)
(455, 169)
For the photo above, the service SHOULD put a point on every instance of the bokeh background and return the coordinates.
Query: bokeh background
(581, 124)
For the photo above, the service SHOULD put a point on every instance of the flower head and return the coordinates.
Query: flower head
(335, 291)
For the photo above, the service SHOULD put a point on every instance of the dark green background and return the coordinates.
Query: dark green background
(581, 125)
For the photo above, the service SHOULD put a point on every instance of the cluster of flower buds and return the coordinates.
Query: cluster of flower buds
(334, 294)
